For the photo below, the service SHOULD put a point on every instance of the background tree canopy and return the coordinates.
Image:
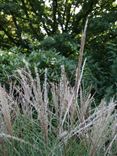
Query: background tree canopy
(56, 25)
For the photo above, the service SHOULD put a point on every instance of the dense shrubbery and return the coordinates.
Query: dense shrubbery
(100, 69)
(12, 59)
(9, 62)
(52, 60)
(101, 60)
(62, 43)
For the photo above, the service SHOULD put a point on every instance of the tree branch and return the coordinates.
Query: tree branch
(85, 11)
(40, 17)
(54, 7)
(30, 23)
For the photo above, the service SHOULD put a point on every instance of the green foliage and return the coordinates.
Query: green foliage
(21, 22)
(9, 62)
(103, 67)
(57, 26)
(63, 44)
(52, 60)
(12, 60)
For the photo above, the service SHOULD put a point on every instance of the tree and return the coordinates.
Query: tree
(24, 20)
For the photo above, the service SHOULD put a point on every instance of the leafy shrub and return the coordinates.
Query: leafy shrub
(102, 62)
(52, 60)
(11, 60)
(62, 43)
